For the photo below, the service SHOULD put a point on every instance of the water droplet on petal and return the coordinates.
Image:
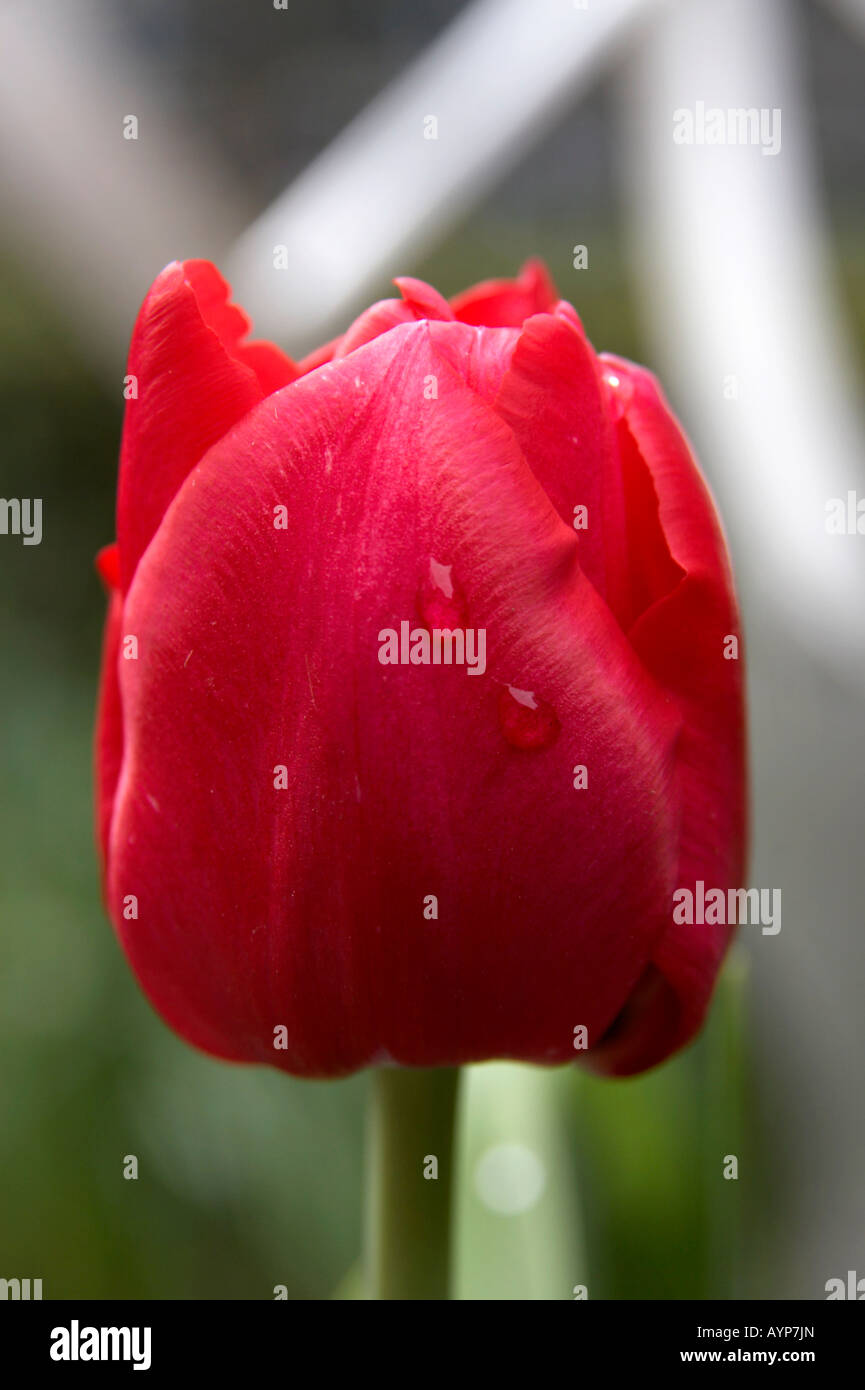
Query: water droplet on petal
(527, 721)
(441, 602)
(619, 390)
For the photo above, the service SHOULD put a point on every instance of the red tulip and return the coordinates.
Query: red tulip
(321, 855)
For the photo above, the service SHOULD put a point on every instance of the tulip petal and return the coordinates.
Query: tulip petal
(680, 639)
(481, 356)
(196, 377)
(288, 805)
(108, 566)
(379, 318)
(551, 396)
(419, 301)
(426, 302)
(507, 303)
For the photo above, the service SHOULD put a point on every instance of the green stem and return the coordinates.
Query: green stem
(408, 1210)
(725, 1128)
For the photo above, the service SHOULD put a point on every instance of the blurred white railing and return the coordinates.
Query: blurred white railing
(419, 156)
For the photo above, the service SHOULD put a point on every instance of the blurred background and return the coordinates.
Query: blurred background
(739, 275)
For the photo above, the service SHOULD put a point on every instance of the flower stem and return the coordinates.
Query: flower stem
(411, 1142)
(725, 1128)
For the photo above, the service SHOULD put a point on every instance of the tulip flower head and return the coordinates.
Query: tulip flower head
(417, 704)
